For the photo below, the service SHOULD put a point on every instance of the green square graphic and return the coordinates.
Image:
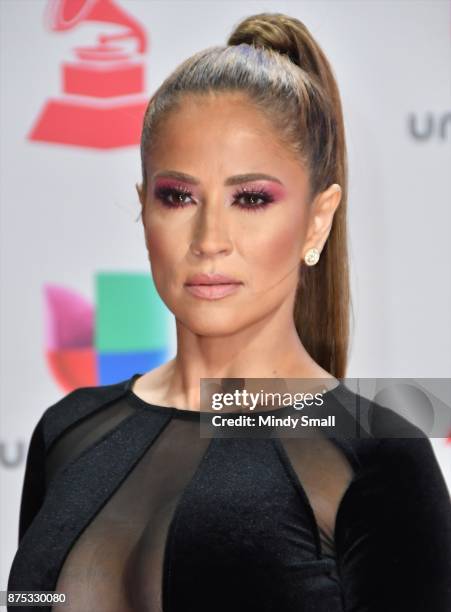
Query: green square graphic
(130, 315)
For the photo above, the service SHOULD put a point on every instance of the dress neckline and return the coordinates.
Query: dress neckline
(196, 414)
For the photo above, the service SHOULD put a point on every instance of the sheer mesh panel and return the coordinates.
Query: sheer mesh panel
(324, 474)
(116, 563)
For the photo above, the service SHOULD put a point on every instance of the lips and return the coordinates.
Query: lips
(212, 286)
(213, 292)
(211, 279)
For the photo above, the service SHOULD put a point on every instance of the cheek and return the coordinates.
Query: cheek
(162, 246)
(275, 249)
(159, 246)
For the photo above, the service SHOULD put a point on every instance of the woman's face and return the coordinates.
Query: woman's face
(225, 196)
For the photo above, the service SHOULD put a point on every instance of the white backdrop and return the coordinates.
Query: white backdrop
(69, 211)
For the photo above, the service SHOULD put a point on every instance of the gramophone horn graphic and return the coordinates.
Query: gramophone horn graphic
(103, 101)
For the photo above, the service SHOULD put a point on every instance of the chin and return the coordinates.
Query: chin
(203, 323)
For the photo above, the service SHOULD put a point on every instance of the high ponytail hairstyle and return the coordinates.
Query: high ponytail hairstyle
(276, 62)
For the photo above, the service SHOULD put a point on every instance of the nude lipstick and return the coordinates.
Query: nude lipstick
(212, 286)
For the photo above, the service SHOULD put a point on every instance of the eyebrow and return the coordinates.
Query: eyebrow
(232, 180)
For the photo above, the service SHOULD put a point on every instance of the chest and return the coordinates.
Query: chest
(189, 527)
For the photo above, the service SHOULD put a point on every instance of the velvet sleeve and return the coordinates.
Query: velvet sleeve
(394, 535)
(33, 487)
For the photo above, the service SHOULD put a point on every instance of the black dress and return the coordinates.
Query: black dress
(125, 507)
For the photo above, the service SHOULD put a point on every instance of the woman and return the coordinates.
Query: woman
(125, 506)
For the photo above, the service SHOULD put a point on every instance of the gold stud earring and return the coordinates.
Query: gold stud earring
(311, 257)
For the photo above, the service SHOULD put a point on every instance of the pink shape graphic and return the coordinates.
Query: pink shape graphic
(69, 319)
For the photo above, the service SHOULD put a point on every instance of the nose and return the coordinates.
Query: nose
(211, 236)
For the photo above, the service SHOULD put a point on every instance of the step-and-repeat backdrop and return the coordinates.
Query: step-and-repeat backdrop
(78, 306)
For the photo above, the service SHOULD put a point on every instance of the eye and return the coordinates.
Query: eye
(252, 199)
(249, 200)
(173, 197)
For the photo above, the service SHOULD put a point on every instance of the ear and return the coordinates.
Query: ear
(320, 218)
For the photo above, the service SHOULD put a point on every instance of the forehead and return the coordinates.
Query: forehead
(217, 106)
(219, 125)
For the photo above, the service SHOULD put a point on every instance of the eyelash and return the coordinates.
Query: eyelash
(162, 194)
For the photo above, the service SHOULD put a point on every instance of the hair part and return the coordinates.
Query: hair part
(274, 60)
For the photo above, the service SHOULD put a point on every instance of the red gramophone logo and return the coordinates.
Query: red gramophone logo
(103, 102)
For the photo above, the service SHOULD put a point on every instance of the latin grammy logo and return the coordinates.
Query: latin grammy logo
(103, 99)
